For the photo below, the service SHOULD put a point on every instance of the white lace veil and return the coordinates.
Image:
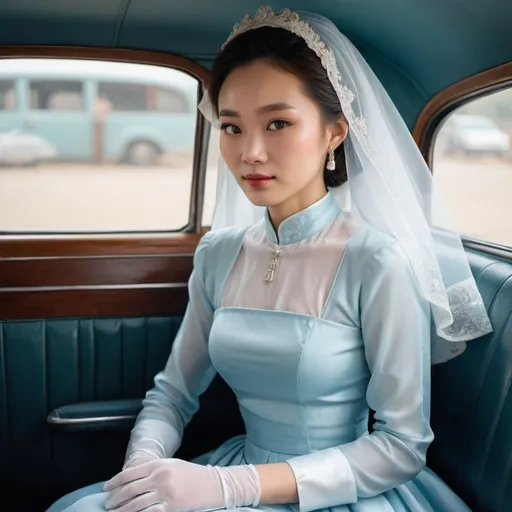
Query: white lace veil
(389, 184)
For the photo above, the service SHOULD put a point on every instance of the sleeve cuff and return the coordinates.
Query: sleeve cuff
(324, 479)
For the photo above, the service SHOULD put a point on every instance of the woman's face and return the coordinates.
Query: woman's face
(273, 137)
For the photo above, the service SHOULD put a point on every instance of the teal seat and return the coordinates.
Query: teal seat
(472, 402)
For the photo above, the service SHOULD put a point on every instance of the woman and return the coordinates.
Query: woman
(312, 313)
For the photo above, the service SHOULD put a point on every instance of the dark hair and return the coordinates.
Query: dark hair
(291, 53)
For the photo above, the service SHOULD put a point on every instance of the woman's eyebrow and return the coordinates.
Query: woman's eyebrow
(226, 112)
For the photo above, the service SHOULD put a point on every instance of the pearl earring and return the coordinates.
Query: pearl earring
(331, 164)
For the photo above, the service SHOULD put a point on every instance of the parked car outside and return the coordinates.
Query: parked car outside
(19, 148)
(472, 135)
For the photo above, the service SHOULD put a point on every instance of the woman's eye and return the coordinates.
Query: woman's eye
(278, 125)
(230, 129)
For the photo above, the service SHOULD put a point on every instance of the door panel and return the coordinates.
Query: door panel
(48, 364)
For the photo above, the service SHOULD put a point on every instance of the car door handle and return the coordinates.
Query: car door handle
(100, 415)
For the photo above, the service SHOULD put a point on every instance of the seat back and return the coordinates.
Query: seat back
(472, 402)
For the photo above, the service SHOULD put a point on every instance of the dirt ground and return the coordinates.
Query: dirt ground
(81, 197)
(478, 193)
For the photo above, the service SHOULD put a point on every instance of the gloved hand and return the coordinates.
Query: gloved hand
(173, 485)
(139, 457)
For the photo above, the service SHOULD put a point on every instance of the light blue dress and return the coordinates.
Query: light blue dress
(341, 328)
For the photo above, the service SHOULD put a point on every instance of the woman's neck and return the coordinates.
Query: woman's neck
(295, 204)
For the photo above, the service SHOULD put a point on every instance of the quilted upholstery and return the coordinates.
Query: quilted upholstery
(45, 364)
(472, 402)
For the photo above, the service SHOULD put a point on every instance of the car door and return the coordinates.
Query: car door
(94, 264)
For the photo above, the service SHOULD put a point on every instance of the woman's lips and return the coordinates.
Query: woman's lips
(257, 180)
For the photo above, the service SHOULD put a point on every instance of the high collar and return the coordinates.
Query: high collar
(305, 223)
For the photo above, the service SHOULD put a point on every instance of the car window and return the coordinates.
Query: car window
(56, 95)
(7, 95)
(167, 100)
(95, 147)
(124, 97)
(472, 163)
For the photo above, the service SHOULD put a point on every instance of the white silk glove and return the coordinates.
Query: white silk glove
(173, 485)
(139, 457)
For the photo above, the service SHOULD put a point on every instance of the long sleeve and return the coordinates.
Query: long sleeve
(171, 403)
(395, 324)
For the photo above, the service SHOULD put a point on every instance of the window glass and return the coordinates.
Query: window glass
(169, 100)
(56, 95)
(472, 165)
(124, 97)
(84, 156)
(7, 95)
